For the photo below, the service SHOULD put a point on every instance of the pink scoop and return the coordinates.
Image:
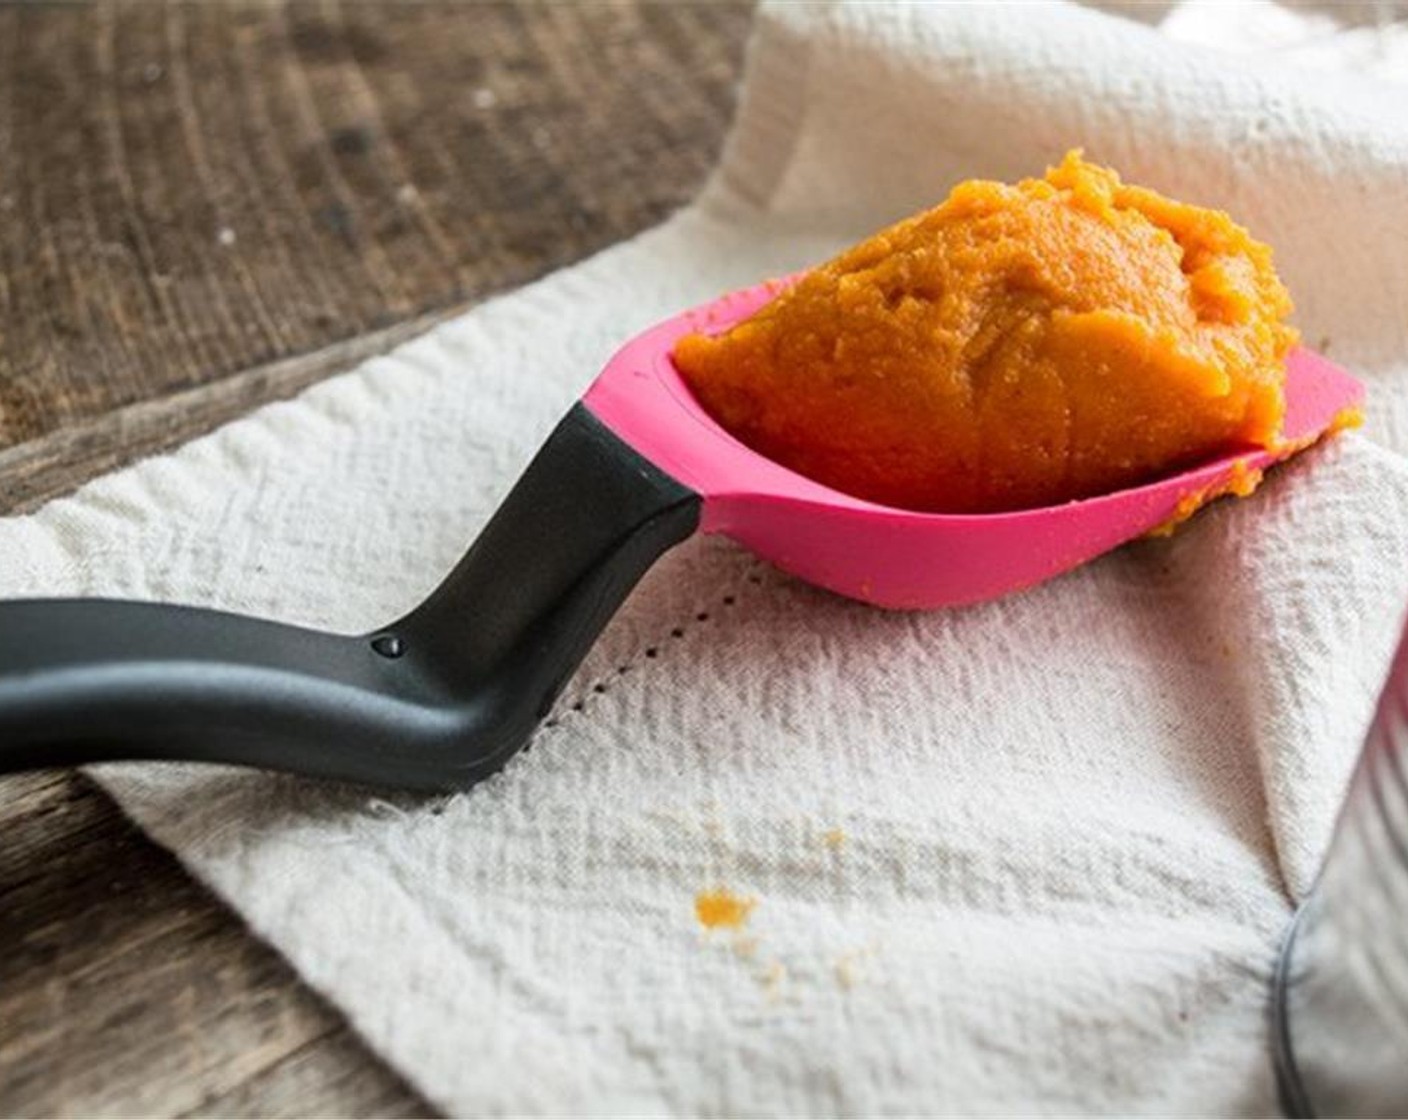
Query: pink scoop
(896, 557)
(443, 696)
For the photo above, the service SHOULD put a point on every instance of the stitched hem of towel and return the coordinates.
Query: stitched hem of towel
(566, 708)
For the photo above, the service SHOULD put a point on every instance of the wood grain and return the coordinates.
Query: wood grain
(189, 190)
(204, 207)
(125, 989)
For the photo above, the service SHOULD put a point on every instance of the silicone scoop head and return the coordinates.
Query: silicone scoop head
(895, 557)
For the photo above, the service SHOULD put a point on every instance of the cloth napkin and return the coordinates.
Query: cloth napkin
(1028, 856)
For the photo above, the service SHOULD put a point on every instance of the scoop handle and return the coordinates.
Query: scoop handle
(435, 701)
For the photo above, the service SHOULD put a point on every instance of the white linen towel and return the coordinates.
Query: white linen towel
(1028, 856)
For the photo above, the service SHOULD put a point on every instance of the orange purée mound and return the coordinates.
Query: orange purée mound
(1015, 346)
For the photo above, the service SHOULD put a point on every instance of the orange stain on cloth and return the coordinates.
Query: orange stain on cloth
(722, 909)
(1018, 345)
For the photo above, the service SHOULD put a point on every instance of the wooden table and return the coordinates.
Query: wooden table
(204, 207)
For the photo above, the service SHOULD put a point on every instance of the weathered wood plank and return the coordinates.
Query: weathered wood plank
(44, 468)
(126, 989)
(189, 190)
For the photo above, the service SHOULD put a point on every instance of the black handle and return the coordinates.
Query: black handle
(436, 701)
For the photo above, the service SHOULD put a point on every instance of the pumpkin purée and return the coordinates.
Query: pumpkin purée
(1016, 346)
